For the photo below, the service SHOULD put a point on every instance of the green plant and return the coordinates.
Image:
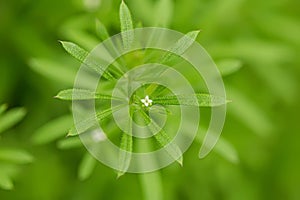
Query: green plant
(11, 158)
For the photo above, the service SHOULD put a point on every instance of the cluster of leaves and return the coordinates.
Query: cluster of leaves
(11, 159)
(58, 127)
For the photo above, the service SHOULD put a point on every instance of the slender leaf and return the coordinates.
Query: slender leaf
(163, 139)
(88, 123)
(152, 186)
(229, 66)
(11, 118)
(101, 31)
(53, 130)
(81, 54)
(126, 26)
(227, 150)
(163, 12)
(253, 116)
(53, 70)
(15, 156)
(223, 147)
(86, 167)
(6, 182)
(7, 173)
(82, 94)
(69, 143)
(3, 108)
(181, 46)
(202, 100)
(125, 153)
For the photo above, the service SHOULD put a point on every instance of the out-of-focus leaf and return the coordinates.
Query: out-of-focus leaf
(81, 54)
(181, 46)
(152, 186)
(249, 113)
(125, 153)
(6, 182)
(229, 66)
(126, 26)
(53, 70)
(84, 125)
(81, 94)
(226, 150)
(53, 130)
(86, 167)
(10, 118)
(202, 100)
(69, 143)
(163, 139)
(163, 13)
(7, 173)
(101, 31)
(17, 156)
(3, 108)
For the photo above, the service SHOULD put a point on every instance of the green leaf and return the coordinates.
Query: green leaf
(7, 173)
(69, 143)
(82, 94)
(88, 123)
(163, 139)
(229, 66)
(15, 156)
(81, 54)
(53, 70)
(53, 130)
(3, 108)
(86, 167)
(181, 46)
(163, 13)
(226, 150)
(10, 118)
(252, 115)
(125, 153)
(6, 182)
(126, 26)
(101, 31)
(202, 100)
(152, 186)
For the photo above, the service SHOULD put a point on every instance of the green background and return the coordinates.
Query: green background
(262, 121)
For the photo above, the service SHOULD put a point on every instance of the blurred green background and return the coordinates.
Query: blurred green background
(262, 122)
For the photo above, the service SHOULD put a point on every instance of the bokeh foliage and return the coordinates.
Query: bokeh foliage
(262, 122)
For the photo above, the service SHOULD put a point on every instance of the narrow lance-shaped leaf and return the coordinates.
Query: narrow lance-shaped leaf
(126, 26)
(69, 143)
(15, 156)
(6, 182)
(181, 46)
(11, 118)
(152, 185)
(229, 66)
(3, 108)
(104, 35)
(163, 13)
(163, 139)
(84, 125)
(53, 130)
(86, 167)
(101, 31)
(125, 153)
(81, 54)
(223, 147)
(82, 94)
(202, 100)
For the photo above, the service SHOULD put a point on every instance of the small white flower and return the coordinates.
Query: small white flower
(147, 102)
